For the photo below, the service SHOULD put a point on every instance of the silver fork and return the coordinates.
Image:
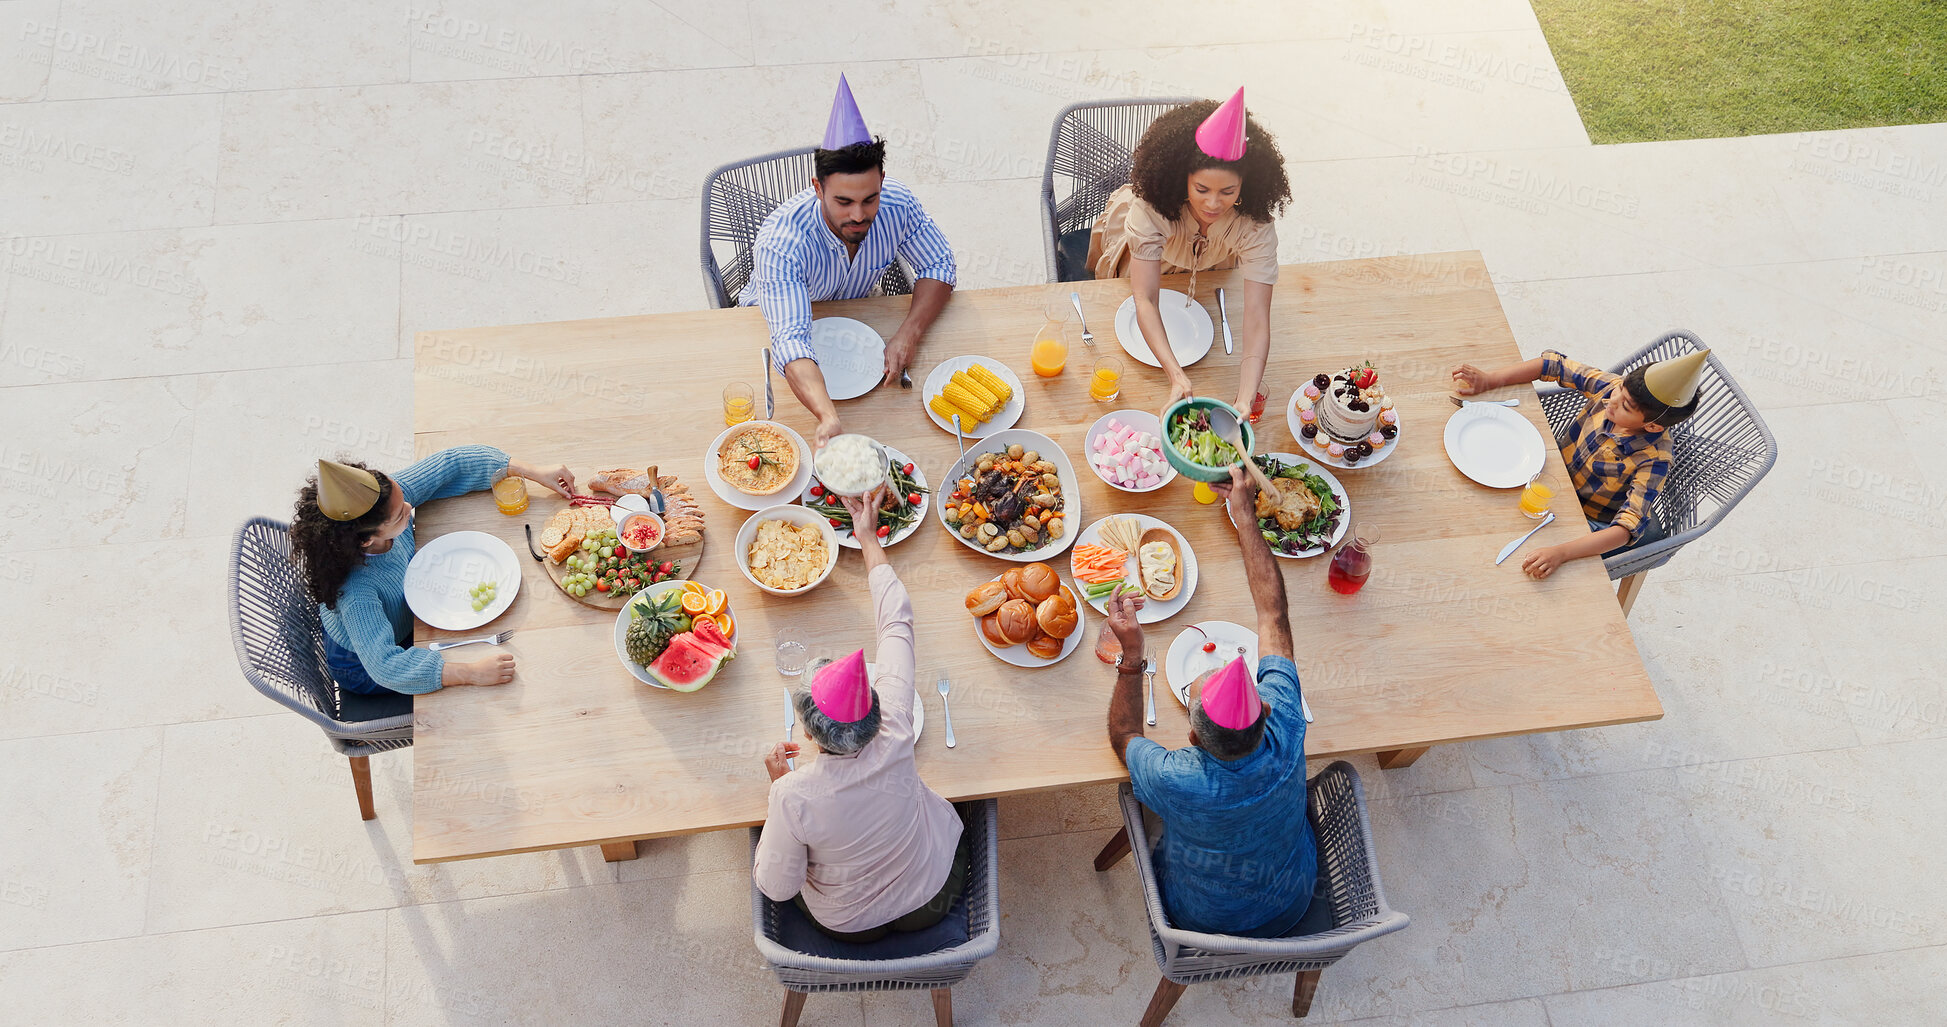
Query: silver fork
(947, 710)
(1149, 691)
(1088, 337)
(490, 640)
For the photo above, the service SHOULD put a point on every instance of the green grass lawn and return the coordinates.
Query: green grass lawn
(1669, 69)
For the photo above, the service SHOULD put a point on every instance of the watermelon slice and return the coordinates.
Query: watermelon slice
(686, 665)
(711, 637)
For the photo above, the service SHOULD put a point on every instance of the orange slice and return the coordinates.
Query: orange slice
(714, 602)
(692, 603)
(691, 586)
(724, 622)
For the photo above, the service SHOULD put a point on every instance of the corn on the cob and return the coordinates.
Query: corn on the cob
(994, 383)
(964, 398)
(981, 394)
(946, 409)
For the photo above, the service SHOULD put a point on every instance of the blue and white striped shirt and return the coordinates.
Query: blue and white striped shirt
(799, 261)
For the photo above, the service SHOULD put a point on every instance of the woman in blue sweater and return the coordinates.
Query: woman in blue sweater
(352, 539)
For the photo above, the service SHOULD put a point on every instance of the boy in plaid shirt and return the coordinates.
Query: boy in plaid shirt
(1616, 451)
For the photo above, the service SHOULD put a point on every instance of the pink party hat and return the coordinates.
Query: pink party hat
(1222, 133)
(1230, 697)
(842, 692)
(846, 125)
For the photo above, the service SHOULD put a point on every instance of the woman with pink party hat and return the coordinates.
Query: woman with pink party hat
(854, 835)
(1204, 193)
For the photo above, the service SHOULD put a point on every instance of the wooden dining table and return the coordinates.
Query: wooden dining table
(1440, 646)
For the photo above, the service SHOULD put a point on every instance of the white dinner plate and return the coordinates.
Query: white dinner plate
(1186, 661)
(1338, 489)
(1317, 454)
(851, 356)
(1019, 656)
(1009, 413)
(441, 576)
(1071, 491)
(845, 537)
(1187, 324)
(743, 501)
(1494, 445)
(622, 619)
(1153, 609)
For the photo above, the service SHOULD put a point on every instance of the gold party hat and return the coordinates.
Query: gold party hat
(1674, 381)
(345, 493)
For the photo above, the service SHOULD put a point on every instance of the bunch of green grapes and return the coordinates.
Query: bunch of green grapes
(577, 584)
(483, 594)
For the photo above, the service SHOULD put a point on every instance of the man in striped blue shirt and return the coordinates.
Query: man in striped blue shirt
(834, 241)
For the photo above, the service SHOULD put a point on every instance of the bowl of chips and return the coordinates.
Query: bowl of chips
(786, 550)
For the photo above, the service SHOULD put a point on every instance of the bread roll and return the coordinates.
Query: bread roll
(990, 626)
(1038, 582)
(986, 598)
(1045, 646)
(568, 544)
(1056, 616)
(1016, 620)
(1011, 580)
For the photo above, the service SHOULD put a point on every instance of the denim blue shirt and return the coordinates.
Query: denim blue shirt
(1237, 847)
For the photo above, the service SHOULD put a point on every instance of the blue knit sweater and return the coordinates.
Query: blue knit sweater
(371, 617)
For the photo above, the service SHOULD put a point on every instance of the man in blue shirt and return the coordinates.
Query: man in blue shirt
(1237, 854)
(834, 241)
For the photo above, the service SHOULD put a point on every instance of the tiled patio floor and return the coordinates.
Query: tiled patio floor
(203, 287)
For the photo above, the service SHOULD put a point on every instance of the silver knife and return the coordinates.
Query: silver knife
(790, 723)
(1149, 691)
(1508, 550)
(1223, 314)
(770, 405)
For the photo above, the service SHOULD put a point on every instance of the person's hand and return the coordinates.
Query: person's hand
(827, 428)
(865, 513)
(560, 479)
(774, 761)
(1469, 380)
(1180, 388)
(1543, 562)
(899, 355)
(497, 669)
(1123, 623)
(1240, 497)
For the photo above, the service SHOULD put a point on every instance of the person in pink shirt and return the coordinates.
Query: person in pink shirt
(853, 834)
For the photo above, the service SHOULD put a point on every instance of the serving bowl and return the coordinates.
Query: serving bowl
(796, 515)
(1190, 468)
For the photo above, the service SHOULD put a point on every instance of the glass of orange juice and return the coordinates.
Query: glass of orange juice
(1106, 383)
(1050, 352)
(1534, 499)
(739, 402)
(510, 495)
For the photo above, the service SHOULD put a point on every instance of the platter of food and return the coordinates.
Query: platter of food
(1203, 648)
(985, 394)
(581, 544)
(903, 511)
(786, 550)
(676, 634)
(1344, 419)
(1309, 512)
(1014, 496)
(851, 355)
(752, 463)
(1187, 324)
(1134, 552)
(461, 580)
(1026, 616)
(1125, 449)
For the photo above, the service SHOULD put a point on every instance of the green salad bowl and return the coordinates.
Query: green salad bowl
(1189, 467)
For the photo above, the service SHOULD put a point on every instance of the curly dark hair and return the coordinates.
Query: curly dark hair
(1168, 154)
(326, 550)
(850, 160)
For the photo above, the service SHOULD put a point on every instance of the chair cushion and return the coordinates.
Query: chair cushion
(796, 932)
(357, 707)
(1071, 256)
(1318, 917)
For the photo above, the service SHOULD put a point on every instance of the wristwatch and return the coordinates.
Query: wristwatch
(1135, 667)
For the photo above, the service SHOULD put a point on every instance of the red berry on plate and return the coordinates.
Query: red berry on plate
(885, 530)
(836, 523)
(908, 468)
(756, 462)
(621, 552)
(912, 498)
(817, 490)
(1210, 647)
(601, 586)
(668, 568)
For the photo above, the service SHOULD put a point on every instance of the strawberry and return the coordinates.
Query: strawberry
(1365, 376)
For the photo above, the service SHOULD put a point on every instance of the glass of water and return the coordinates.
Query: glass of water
(792, 648)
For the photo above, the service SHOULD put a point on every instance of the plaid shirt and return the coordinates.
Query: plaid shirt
(1617, 476)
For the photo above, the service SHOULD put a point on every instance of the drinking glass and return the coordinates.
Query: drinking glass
(1106, 383)
(1257, 406)
(739, 403)
(1534, 499)
(1352, 564)
(1050, 352)
(792, 648)
(510, 495)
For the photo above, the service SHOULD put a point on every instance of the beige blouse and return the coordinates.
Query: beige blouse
(1130, 229)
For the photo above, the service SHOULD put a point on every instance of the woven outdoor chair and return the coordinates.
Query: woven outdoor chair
(280, 646)
(1717, 456)
(1090, 150)
(1349, 909)
(736, 200)
(807, 960)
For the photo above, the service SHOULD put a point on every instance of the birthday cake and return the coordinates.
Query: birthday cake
(1347, 414)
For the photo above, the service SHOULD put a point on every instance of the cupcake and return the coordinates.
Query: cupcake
(1337, 451)
(1386, 403)
(1375, 440)
(1304, 403)
(1310, 391)
(1388, 416)
(1307, 415)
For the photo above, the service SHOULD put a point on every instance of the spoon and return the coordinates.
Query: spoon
(1224, 423)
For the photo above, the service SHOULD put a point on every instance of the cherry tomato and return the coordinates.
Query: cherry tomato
(885, 530)
(909, 468)
(836, 523)
(601, 586)
(756, 462)
(912, 498)
(817, 490)
(1210, 647)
